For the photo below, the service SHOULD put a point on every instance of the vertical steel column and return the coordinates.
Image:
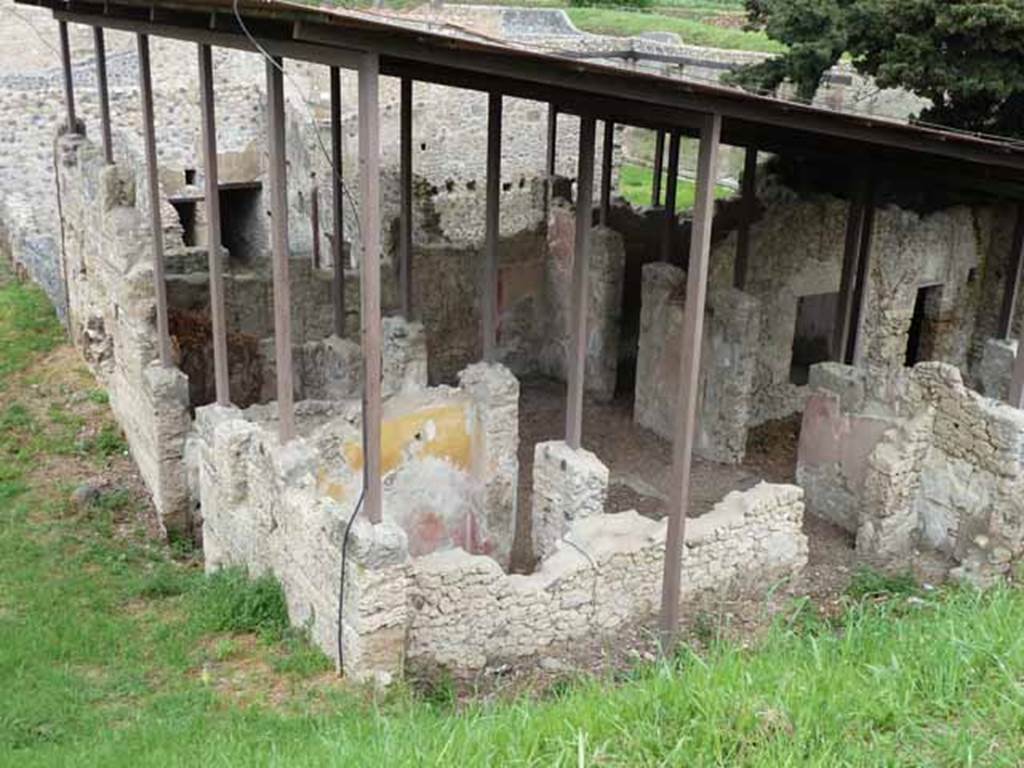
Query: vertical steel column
(552, 149)
(668, 239)
(153, 188)
(489, 289)
(848, 278)
(606, 170)
(279, 229)
(338, 197)
(214, 248)
(689, 375)
(405, 211)
(1017, 383)
(314, 220)
(69, 83)
(104, 94)
(659, 167)
(743, 234)
(1012, 287)
(854, 342)
(580, 272)
(369, 276)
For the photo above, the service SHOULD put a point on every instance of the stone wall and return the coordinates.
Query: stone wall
(284, 510)
(915, 461)
(112, 318)
(604, 302)
(449, 462)
(468, 613)
(728, 356)
(796, 250)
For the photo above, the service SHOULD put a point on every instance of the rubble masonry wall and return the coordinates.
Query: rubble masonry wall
(913, 460)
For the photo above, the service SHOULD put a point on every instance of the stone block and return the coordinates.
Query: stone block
(568, 485)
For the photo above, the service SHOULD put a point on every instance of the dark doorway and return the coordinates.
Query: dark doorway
(921, 341)
(186, 210)
(243, 231)
(812, 334)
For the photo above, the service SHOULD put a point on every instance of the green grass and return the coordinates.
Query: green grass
(692, 31)
(635, 183)
(118, 651)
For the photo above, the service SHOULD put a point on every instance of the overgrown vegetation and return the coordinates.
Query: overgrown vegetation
(966, 57)
(118, 651)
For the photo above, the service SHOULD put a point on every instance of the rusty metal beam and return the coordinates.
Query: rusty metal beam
(338, 198)
(279, 237)
(489, 289)
(405, 209)
(103, 92)
(842, 328)
(552, 149)
(153, 188)
(659, 167)
(854, 343)
(369, 277)
(1017, 383)
(69, 83)
(580, 272)
(1011, 289)
(668, 238)
(749, 202)
(213, 245)
(314, 219)
(608, 144)
(689, 377)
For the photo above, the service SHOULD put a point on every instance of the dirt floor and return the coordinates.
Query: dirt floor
(640, 464)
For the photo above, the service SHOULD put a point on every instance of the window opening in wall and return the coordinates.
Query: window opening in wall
(190, 176)
(243, 232)
(924, 325)
(186, 210)
(812, 334)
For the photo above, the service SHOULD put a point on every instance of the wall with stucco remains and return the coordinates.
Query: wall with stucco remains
(450, 465)
(731, 329)
(912, 461)
(283, 509)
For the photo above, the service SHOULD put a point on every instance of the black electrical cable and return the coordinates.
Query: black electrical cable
(341, 581)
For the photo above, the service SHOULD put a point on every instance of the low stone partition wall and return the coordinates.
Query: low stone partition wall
(426, 586)
(915, 461)
(605, 573)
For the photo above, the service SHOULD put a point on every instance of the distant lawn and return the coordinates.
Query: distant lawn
(635, 183)
(622, 23)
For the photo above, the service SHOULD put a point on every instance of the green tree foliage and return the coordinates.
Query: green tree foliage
(965, 56)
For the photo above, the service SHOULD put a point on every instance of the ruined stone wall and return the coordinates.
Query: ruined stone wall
(450, 466)
(467, 613)
(915, 461)
(284, 510)
(112, 317)
(728, 357)
(604, 302)
(796, 251)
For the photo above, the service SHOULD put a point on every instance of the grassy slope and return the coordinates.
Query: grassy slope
(113, 652)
